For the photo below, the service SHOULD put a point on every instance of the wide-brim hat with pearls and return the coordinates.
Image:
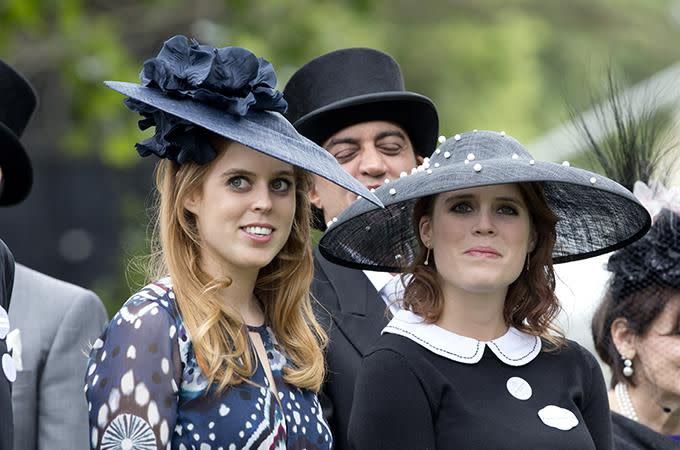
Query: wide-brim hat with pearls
(595, 214)
(230, 92)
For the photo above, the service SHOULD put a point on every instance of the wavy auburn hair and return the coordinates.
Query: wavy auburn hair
(219, 336)
(530, 304)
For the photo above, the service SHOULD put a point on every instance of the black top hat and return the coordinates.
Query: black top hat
(354, 85)
(17, 103)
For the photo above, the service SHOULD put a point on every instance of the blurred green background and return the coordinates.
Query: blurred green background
(487, 64)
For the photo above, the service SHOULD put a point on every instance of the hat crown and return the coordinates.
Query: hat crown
(479, 146)
(340, 75)
(18, 100)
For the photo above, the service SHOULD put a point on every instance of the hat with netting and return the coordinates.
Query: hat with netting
(189, 87)
(595, 214)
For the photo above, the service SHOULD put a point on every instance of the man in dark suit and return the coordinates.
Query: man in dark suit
(353, 103)
(16, 177)
(48, 348)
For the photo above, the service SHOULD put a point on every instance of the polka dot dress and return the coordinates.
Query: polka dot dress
(145, 390)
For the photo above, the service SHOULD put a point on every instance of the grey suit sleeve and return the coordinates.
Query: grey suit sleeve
(63, 414)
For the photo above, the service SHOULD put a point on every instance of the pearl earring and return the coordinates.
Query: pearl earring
(427, 256)
(627, 367)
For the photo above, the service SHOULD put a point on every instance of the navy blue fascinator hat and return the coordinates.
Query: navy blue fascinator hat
(595, 214)
(189, 87)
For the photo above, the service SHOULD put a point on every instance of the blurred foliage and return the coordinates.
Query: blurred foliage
(488, 64)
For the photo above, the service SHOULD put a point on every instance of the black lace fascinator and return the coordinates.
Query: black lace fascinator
(654, 260)
(190, 89)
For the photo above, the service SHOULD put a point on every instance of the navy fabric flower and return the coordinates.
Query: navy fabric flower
(650, 261)
(232, 79)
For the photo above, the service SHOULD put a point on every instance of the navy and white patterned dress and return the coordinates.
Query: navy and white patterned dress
(145, 390)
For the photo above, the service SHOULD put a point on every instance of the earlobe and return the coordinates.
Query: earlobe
(623, 338)
(425, 228)
(314, 197)
(191, 202)
(532, 241)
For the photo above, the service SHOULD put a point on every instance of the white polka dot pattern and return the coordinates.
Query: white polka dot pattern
(4, 323)
(556, 417)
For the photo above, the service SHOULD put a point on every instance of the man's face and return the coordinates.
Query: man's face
(370, 152)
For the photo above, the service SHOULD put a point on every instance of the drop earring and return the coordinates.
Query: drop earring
(528, 261)
(627, 367)
(427, 256)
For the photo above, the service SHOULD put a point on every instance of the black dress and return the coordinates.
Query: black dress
(423, 387)
(631, 435)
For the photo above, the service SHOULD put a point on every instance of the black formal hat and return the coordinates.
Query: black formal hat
(596, 215)
(230, 92)
(17, 103)
(354, 85)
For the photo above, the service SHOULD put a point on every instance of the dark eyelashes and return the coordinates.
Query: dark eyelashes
(464, 207)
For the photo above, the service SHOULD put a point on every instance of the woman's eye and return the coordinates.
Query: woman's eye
(238, 183)
(280, 185)
(461, 208)
(508, 210)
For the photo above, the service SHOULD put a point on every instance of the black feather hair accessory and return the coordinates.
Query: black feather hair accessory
(637, 154)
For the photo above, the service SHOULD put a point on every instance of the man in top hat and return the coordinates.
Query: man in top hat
(16, 177)
(353, 103)
(52, 322)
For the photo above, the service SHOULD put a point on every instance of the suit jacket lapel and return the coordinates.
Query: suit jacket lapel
(362, 314)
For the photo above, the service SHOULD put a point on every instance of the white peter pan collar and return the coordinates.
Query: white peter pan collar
(514, 348)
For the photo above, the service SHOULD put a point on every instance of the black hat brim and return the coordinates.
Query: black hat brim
(17, 173)
(595, 214)
(415, 113)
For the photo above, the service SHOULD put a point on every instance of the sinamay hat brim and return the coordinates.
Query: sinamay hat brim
(265, 131)
(595, 214)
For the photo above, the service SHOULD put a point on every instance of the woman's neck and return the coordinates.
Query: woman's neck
(474, 315)
(239, 295)
(649, 407)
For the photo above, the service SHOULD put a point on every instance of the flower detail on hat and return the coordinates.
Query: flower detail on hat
(232, 79)
(176, 139)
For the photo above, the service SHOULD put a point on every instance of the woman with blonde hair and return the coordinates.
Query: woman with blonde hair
(473, 360)
(221, 350)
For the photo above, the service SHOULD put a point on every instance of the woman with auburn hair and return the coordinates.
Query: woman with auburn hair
(221, 349)
(473, 360)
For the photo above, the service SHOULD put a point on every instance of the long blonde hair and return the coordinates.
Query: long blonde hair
(217, 331)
